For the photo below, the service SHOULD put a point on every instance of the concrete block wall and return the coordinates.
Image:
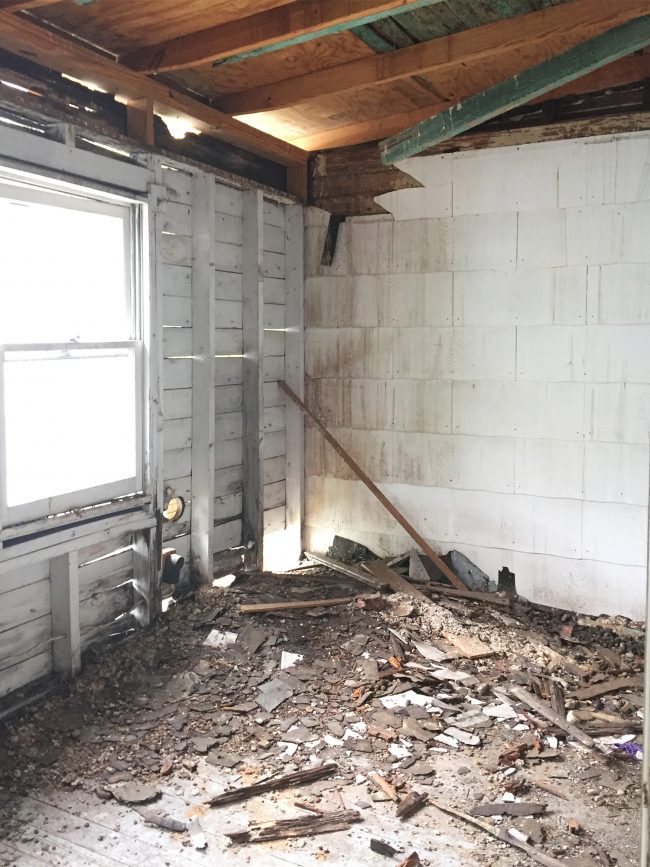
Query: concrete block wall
(483, 351)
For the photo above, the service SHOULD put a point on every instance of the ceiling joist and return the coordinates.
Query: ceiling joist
(20, 35)
(272, 30)
(538, 35)
(518, 90)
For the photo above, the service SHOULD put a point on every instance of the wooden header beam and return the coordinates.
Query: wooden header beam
(19, 35)
(536, 37)
(533, 82)
(271, 30)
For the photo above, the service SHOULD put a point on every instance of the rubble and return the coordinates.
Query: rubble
(382, 699)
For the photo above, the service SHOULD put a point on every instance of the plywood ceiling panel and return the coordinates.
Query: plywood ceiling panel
(124, 25)
(211, 81)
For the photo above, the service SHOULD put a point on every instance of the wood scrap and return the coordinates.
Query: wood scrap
(345, 569)
(469, 646)
(396, 582)
(409, 805)
(303, 826)
(262, 607)
(502, 835)
(546, 711)
(413, 860)
(545, 786)
(372, 487)
(508, 808)
(470, 595)
(296, 779)
(385, 786)
(608, 686)
(161, 820)
(382, 848)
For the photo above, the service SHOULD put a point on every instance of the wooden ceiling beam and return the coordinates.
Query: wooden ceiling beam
(518, 90)
(20, 35)
(271, 30)
(538, 34)
(621, 72)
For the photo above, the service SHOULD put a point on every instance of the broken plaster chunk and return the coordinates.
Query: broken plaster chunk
(218, 640)
(500, 711)
(402, 699)
(400, 751)
(287, 660)
(448, 741)
(464, 737)
(272, 693)
(134, 793)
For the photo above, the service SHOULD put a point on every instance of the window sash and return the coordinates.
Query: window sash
(66, 502)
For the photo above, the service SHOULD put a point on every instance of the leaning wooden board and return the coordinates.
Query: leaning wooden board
(387, 576)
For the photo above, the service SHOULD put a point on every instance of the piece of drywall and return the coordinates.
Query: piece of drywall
(483, 353)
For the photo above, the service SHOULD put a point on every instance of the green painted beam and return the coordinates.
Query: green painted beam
(326, 31)
(518, 90)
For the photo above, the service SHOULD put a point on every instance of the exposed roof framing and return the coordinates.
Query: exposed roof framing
(529, 84)
(20, 35)
(271, 30)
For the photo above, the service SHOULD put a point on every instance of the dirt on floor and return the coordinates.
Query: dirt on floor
(406, 697)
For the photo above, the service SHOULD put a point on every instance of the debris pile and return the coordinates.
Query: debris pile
(519, 721)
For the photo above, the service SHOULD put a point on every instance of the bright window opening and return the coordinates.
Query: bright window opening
(70, 377)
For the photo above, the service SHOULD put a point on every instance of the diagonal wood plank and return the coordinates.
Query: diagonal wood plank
(272, 30)
(20, 35)
(536, 37)
(520, 89)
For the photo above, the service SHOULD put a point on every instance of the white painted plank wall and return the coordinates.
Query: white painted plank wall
(485, 355)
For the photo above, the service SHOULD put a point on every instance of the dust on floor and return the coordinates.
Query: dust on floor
(158, 725)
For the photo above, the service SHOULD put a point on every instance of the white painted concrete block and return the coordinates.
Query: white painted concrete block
(570, 288)
(412, 300)
(367, 404)
(614, 533)
(433, 199)
(470, 463)
(549, 468)
(541, 239)
(618, 413)
(616, 473)
(378, 351)
(321, 352)
(323, 301)
(595, 235)
(587, 173)
(623, 295)
(325, 397)
(359, 302)
(352, 352)
(551, 353)
(633, 169)
(636, 230)
(505, 179)
(421, 246)
(421, 406)
(522, 409)
(617, 353)
(483, 241)
(483, 353)
(371, 246)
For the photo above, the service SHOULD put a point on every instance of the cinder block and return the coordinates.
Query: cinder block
(587, 173)
(617, 353)
(595, 235)
(614, 533)
(414, 300)
(618, 413)
(371, 246)
(623, 295)
(522, 409)
(616, 473)
(505, 179)
(470, 463)
(421, 246)
(421, 406)
(323, 301)
(570, 286)
(325, 397)
(351, 355)
(360, 302)
(549, 468)
(551, 353)
(367, 404)
(433, 199)
(542, 239)
(633, 168)
(321, 352)
(480, 242)
(483, 353)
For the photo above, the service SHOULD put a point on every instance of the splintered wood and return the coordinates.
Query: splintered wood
(273, 785)
(303, 826)
(469, 646)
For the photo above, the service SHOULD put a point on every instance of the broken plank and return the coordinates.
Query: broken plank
(372, 487)
(303, 826)
(385, 786)
(470, 595)
(344, 568)
(262, 607)
(508, 808)
(608, 686)
(395, 581)
(469, 646)
(501, 834)
(547, 787)
(409, 805)
(546, 711)
(296, 779)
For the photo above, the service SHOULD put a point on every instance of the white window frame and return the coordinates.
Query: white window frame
(43, 190)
